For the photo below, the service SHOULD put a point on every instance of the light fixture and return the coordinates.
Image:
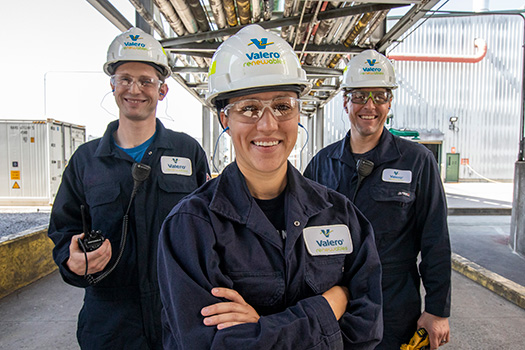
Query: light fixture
(452, 125)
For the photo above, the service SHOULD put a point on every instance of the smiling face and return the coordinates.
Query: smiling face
(368, 119)
(134, 103)
(262, 148)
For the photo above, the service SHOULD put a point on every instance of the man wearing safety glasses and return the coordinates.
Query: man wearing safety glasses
(396, 185)
(125, 201)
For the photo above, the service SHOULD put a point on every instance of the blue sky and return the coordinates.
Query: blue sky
(53, 64)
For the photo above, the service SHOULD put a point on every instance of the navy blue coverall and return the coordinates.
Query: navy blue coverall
(219, 237)
(404, 200)
(123, 310)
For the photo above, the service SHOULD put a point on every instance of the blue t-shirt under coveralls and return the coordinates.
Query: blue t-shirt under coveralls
(123, 310)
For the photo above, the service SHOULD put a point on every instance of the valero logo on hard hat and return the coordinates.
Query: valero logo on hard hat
(260, 44)
(134, 44)
(371, 69)
(261, 58)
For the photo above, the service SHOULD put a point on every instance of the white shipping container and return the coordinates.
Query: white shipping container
(33, 154)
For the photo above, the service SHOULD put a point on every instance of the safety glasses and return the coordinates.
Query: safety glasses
(143, 83)
(249, 111)
(361, 97)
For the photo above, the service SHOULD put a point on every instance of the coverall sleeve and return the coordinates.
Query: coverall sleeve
(435, 266)
(202, 170)
(189, 267)
(65, 222)
(362, 323)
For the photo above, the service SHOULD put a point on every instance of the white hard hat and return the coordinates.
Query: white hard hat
(137, 45)
(369, 69)
(254, 59)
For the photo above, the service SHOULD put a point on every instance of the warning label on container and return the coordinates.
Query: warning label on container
(15, 174)
(16, 185)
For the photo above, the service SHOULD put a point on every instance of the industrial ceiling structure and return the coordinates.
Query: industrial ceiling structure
(324, 34)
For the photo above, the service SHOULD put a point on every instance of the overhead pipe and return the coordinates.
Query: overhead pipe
(359, 27)
(218, 13)
(171, 16)
(375, 22)
(185, 15)
(335, 33)
(287, 12)
(310, 28)
(243, 9)
(199, 15)
(267, 9)
(141, 10)
(256, 11)
(479, 43)
(301, 27)
(323, 4)
(231, 14)
(323, 28)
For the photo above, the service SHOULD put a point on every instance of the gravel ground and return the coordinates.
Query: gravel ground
(11, 223)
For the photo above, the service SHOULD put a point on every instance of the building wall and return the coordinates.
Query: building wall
(484, 96)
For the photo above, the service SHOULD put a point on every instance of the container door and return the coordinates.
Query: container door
(56, 157)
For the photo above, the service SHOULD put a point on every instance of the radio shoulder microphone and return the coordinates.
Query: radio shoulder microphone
(364, 168)
(140, 172)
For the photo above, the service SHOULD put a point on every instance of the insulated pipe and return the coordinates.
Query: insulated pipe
(267, 9)
(359, 27)
(324, 4)
(287, 12)
(141, 10)
(171, 16)
(199, 15)
(218, 13)
(310, 28)
(231, 15)
(185, 15)
(322, 29)
(378, 19)
(481, 44)
(301, 27)
(256, 11)
(243, 8)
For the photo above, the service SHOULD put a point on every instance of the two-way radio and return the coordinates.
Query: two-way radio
(140, 172)
(92, 239)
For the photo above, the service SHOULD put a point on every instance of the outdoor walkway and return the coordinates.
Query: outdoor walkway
(43, 314)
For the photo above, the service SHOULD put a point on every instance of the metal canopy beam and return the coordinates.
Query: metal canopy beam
(280, 22)
(111, 13)
(310, 70)
(417, 12)
(207, 49)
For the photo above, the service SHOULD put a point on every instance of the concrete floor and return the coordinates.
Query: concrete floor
(43, 316)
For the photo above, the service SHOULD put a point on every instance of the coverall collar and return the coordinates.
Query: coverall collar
(105, 147)
(233, 200)
(385, 151)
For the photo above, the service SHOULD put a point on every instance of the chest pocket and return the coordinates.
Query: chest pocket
(390, 211)
(172, 189)
(324, 272)
(262, 290)
(393, 195)
(105, 208)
